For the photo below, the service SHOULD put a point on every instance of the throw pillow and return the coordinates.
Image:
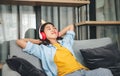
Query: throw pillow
(23, 67)
(101, 57)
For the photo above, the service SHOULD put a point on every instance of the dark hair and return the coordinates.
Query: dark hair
(43, 26)
(46, 41)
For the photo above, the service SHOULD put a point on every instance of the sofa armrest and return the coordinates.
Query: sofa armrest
(17, 51)
(6, 71)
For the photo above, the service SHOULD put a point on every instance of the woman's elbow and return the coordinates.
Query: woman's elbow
(71, 27)
(21, 43)
(18, 42)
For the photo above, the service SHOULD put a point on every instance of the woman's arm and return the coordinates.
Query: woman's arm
(22, 42)
(68, 28)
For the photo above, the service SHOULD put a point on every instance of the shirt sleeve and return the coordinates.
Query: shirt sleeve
(33, 49)
(69, 38)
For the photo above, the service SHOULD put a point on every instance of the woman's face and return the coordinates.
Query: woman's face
(51, 32)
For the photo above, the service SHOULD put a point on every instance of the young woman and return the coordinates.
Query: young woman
(57, 56)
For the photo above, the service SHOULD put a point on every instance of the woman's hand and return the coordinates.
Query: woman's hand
(68, 28)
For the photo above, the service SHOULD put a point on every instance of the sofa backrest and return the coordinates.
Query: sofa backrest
(78, 44)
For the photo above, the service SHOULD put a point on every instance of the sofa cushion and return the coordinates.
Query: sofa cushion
(90, 43)
(23, 67)
(101, 57)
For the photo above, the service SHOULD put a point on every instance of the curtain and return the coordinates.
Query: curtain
(108, 10)
(60, 16)
(27, 21)
(15, 22)
(8, 23)
(8, 28)
(83, 32)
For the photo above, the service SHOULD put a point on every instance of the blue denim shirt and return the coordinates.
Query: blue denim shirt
(47, 53)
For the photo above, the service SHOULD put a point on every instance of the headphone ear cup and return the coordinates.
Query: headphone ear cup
(42, 36)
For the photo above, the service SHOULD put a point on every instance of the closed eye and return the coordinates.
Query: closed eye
(48, 29)
(54, 28)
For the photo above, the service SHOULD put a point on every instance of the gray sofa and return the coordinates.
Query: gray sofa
(78, 44)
